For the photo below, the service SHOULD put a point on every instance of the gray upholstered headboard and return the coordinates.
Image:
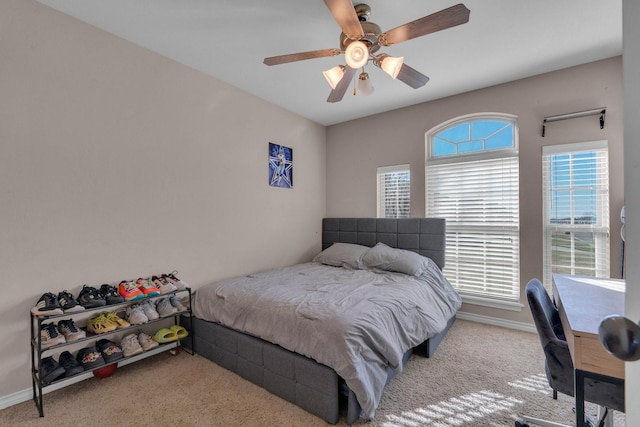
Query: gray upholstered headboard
(425, 236)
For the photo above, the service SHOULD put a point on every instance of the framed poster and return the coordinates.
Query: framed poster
(280, 166)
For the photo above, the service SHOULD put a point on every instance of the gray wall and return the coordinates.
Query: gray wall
(117, 163)
(356, 148)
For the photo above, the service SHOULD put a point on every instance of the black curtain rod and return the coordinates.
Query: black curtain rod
(602, 111)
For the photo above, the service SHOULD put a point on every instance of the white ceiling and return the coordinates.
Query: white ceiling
(504, 40)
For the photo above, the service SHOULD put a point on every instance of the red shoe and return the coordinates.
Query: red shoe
(147, 288)
(129, 291)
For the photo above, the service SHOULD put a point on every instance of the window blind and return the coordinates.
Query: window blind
(480, 201)
(576, 209)
(394, 185)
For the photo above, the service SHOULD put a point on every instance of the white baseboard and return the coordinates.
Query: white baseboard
(521, 326)
(17, 397)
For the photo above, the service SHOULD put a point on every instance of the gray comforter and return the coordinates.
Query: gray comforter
(357, 322)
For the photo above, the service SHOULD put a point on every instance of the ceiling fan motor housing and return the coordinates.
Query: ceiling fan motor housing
(371, 30)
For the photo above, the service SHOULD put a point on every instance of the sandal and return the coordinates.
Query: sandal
(180, 331)
(165, 335)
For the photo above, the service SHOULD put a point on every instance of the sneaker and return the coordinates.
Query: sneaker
(149, 310)
(110, 294)
(179, 284)
(119, 321)
(164, 307)
(146, 342)
(175, 301)
(70, 331)
(50, 370)
(135, 315)
(90, 358)
(164, 285)
(47, 305)
(90, 297)
(70, 364)
(50, 336)
(110, 351)
(129, 291)
(101, 324)
(68, 303)
(147, 288)
(130, 345)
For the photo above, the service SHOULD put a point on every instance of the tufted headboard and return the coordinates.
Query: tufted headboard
(425, 236)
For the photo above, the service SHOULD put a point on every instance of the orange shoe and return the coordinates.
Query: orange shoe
(129, 291)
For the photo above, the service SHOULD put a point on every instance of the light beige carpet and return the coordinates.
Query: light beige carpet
(481, 376)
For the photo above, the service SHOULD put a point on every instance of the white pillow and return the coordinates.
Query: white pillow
(342, 255)
(387, 258)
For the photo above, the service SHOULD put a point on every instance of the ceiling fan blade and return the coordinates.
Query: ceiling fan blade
(292, 57)
(412, 77)
(446, 18)
(345, 15)
(342, 86)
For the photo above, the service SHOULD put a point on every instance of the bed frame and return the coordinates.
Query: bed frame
(302, 381)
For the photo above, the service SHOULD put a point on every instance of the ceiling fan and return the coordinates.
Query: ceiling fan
(360, 41)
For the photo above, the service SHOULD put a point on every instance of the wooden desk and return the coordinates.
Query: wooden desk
(583, 302)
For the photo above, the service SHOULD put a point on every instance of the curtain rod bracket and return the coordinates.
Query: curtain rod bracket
(602, 111)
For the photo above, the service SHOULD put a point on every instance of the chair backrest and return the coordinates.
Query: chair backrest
(558, 364)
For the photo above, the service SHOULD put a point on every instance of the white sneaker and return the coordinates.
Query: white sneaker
(164, 286)
(130, 345)
(50, 336)
(179, 284)
(135, 315)
(165, 308)
(146, 342)
(70, 331)
(175, 301)
(149, 310)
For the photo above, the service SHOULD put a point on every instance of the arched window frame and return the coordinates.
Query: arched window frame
(483, 250)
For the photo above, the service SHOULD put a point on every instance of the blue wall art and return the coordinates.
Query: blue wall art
(280, 166)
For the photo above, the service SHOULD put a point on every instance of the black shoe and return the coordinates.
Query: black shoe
(50, 370)
(110, 294)
(47, 305)
(70, 364)
(90, 297)
(110, 351)
(68, 303)
(90, 358)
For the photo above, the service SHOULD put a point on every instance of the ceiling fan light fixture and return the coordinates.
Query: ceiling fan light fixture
(365, 88)
(391, 65)
(334, 75)
(356, 54)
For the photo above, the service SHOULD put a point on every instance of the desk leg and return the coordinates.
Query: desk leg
(579, 395)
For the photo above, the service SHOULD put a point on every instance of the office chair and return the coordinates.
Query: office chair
(558, 363)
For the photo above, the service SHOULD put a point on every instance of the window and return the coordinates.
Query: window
(576, 209)
(394, 192)
(472, 177)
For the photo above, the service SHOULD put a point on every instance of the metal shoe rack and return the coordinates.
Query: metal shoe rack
(37, 351)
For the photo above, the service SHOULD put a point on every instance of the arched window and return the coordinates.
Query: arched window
(472, 175)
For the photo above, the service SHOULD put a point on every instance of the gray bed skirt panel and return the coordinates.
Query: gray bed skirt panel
(425, 236)
(314, 387)
(293, 377)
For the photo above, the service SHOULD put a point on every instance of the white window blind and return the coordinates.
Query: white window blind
(576, 209)
(479, 199)
(394, 184)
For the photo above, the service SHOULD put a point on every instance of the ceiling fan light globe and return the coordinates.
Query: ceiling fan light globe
(356, 54)
(392, 65)
(365, 88)
(334, 75)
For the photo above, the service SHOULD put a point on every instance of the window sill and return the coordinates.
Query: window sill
(492, 303)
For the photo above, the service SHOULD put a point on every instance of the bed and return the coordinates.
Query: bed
(328, 335)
